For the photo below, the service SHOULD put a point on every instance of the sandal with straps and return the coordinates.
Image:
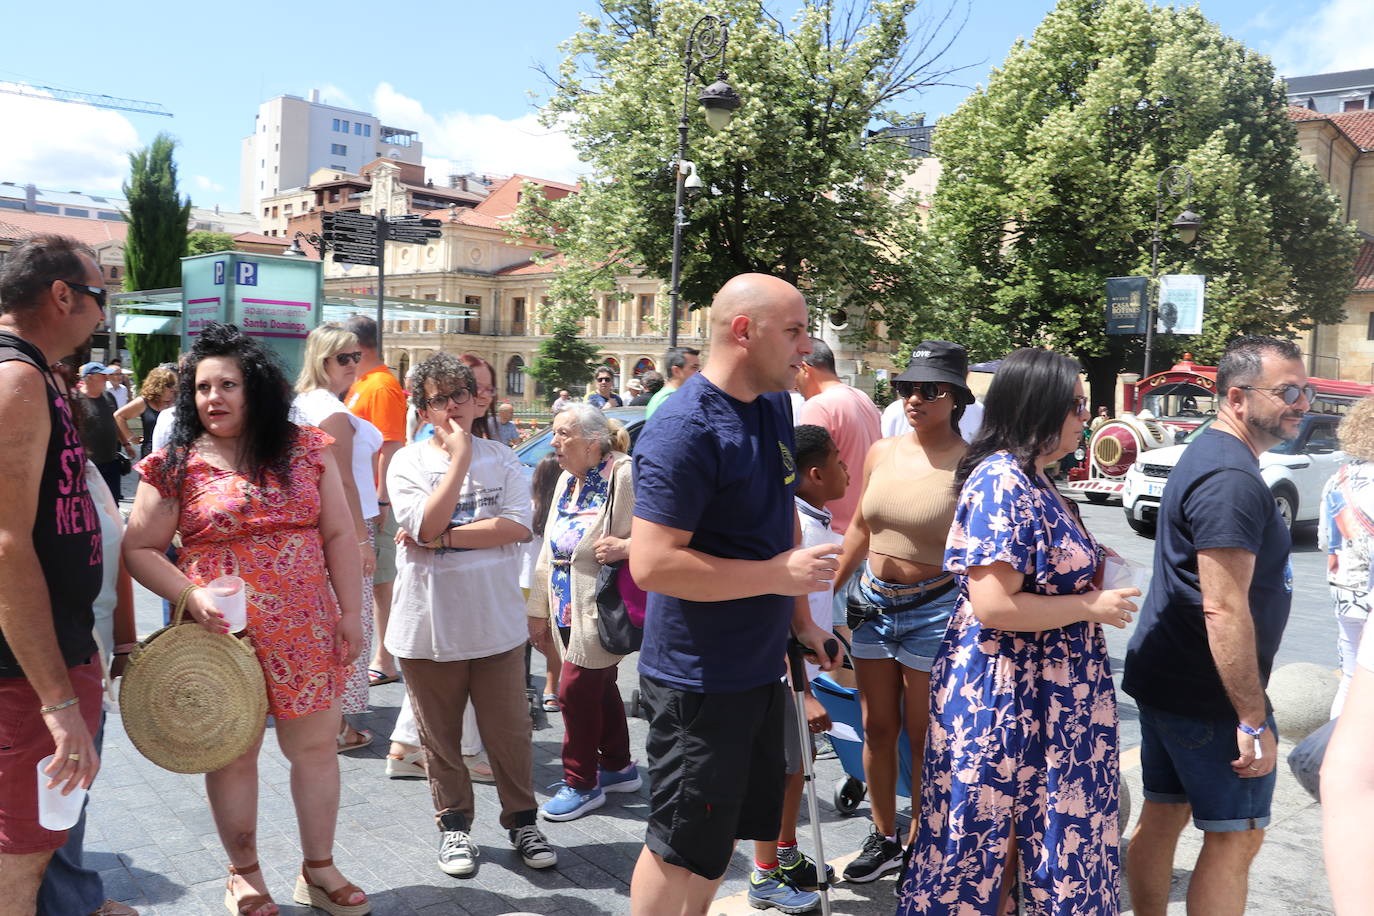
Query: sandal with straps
(249, 904)
(333, 902)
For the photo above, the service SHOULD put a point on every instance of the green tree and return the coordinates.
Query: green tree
(157, 218)
(1049, 181)
(564, 359)
(794, 185)
(148, 351)
(202, 242)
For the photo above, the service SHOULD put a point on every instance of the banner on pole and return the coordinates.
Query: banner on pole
(1181, 303)
(1127, 304)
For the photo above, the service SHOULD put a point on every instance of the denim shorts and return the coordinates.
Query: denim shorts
(895, 628)
(1184, 760)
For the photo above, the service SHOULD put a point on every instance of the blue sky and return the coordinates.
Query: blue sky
(460, 72)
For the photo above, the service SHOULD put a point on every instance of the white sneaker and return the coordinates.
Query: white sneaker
(457, 854)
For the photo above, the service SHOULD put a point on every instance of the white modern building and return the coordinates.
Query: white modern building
(292, 137)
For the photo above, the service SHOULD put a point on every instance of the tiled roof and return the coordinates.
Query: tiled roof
(531, 267)
(1364, 268)
(504, 197)
(467, 216)
(20, 224)
(1356, 126)
(257, 238)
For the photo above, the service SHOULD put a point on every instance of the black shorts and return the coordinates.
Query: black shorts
(716, 769)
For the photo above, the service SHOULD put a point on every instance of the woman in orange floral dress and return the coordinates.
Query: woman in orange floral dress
(255, 496)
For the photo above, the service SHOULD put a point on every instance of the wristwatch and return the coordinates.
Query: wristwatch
(1252, 732)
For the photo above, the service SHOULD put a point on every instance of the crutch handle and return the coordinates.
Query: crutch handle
(795, 651)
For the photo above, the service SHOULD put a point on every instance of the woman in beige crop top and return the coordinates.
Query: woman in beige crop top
(893, 553)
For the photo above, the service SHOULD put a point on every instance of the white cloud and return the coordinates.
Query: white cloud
(64, 146)
(205, 184)
(460, 141)
(333, 95)
(1334, 37)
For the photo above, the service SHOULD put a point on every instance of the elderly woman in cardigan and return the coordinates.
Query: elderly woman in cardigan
(588, 526)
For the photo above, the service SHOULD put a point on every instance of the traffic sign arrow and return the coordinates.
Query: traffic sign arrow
(362, 238)
(355, 259)
(413, 235)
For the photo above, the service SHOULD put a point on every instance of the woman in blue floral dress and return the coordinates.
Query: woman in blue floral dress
(1021, 771)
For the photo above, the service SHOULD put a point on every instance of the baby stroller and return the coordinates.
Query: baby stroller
(847, 737)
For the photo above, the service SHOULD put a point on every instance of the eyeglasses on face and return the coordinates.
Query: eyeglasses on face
(1080, 405)
(603, 378)
(1290, 394)
(441, 401)
(95, 292)
(343, 359)
(929, 391)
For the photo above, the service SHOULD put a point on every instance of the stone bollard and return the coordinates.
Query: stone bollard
(1302, 693)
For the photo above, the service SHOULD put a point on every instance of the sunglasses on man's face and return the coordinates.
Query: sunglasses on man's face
(1289, 394)
(929, 391)
(343, 359)
(94, 292)
(441, 401)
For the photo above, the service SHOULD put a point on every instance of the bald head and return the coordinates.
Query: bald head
(754, 296)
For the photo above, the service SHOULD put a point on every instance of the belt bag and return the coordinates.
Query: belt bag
(858, 611)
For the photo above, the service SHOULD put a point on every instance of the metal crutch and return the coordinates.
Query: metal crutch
(798, 670)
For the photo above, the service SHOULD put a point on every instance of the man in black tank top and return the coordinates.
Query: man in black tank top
(51, 301)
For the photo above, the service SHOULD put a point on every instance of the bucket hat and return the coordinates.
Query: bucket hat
(939, 361)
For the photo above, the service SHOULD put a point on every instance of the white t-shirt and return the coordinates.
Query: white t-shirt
(529, 555)
(815, 529)
(162, 429)
(111, 536)
(121, 395)
(313, 408)
(895, 424)
(450, 605)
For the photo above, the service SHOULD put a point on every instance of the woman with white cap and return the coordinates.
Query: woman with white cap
(899, 597)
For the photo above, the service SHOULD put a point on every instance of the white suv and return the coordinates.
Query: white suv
(1295, 471)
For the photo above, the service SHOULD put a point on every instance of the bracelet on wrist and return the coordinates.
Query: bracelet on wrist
(1253, 732)
(124, 648)
(63, 705)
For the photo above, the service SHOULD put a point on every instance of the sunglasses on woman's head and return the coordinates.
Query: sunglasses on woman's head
(343, 359)
(929, 391)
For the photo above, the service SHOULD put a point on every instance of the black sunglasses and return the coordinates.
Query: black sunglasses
(440, 401)
(343, 359)
(1289, 393)
(930, 391)
(94, 292)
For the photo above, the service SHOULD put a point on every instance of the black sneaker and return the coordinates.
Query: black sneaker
(802, 873)
(533, 848)
(878, 856)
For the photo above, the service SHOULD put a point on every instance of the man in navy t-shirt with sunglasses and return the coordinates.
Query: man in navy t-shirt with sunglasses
(714, 544)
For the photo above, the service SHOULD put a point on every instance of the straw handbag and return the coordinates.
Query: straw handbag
(193, 701)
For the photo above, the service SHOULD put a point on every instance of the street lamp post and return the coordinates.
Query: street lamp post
(707, 41)
(1174, 182)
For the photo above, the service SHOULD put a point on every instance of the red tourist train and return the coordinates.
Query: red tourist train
(1159, 410)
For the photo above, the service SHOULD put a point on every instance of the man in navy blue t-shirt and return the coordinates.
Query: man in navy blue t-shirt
(1201, 656)
(714, 545)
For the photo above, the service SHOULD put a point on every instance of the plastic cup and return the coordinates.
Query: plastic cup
(55, 810)
(231, 600)
(1119, 572)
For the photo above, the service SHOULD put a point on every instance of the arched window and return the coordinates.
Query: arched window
(403, 367)
(644, 365)
(515, 377)
(614, 365)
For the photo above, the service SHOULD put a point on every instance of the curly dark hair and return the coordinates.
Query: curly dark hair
(268, 433)
(446, 372)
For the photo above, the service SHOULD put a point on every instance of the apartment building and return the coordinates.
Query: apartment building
(293, 137)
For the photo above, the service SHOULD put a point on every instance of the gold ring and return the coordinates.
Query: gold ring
(76, 757)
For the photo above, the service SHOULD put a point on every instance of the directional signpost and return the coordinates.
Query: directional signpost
(360, 238)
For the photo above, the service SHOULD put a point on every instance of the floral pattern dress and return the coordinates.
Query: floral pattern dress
(1023, 725)
(568, 524)
(270, 537)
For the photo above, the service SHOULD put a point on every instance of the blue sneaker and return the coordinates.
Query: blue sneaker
(773, 889)
(569, 803)
(626, 780)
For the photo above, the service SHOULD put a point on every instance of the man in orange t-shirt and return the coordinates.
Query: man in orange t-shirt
(378, 398)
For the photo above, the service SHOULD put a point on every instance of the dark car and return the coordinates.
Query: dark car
(541, 443)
